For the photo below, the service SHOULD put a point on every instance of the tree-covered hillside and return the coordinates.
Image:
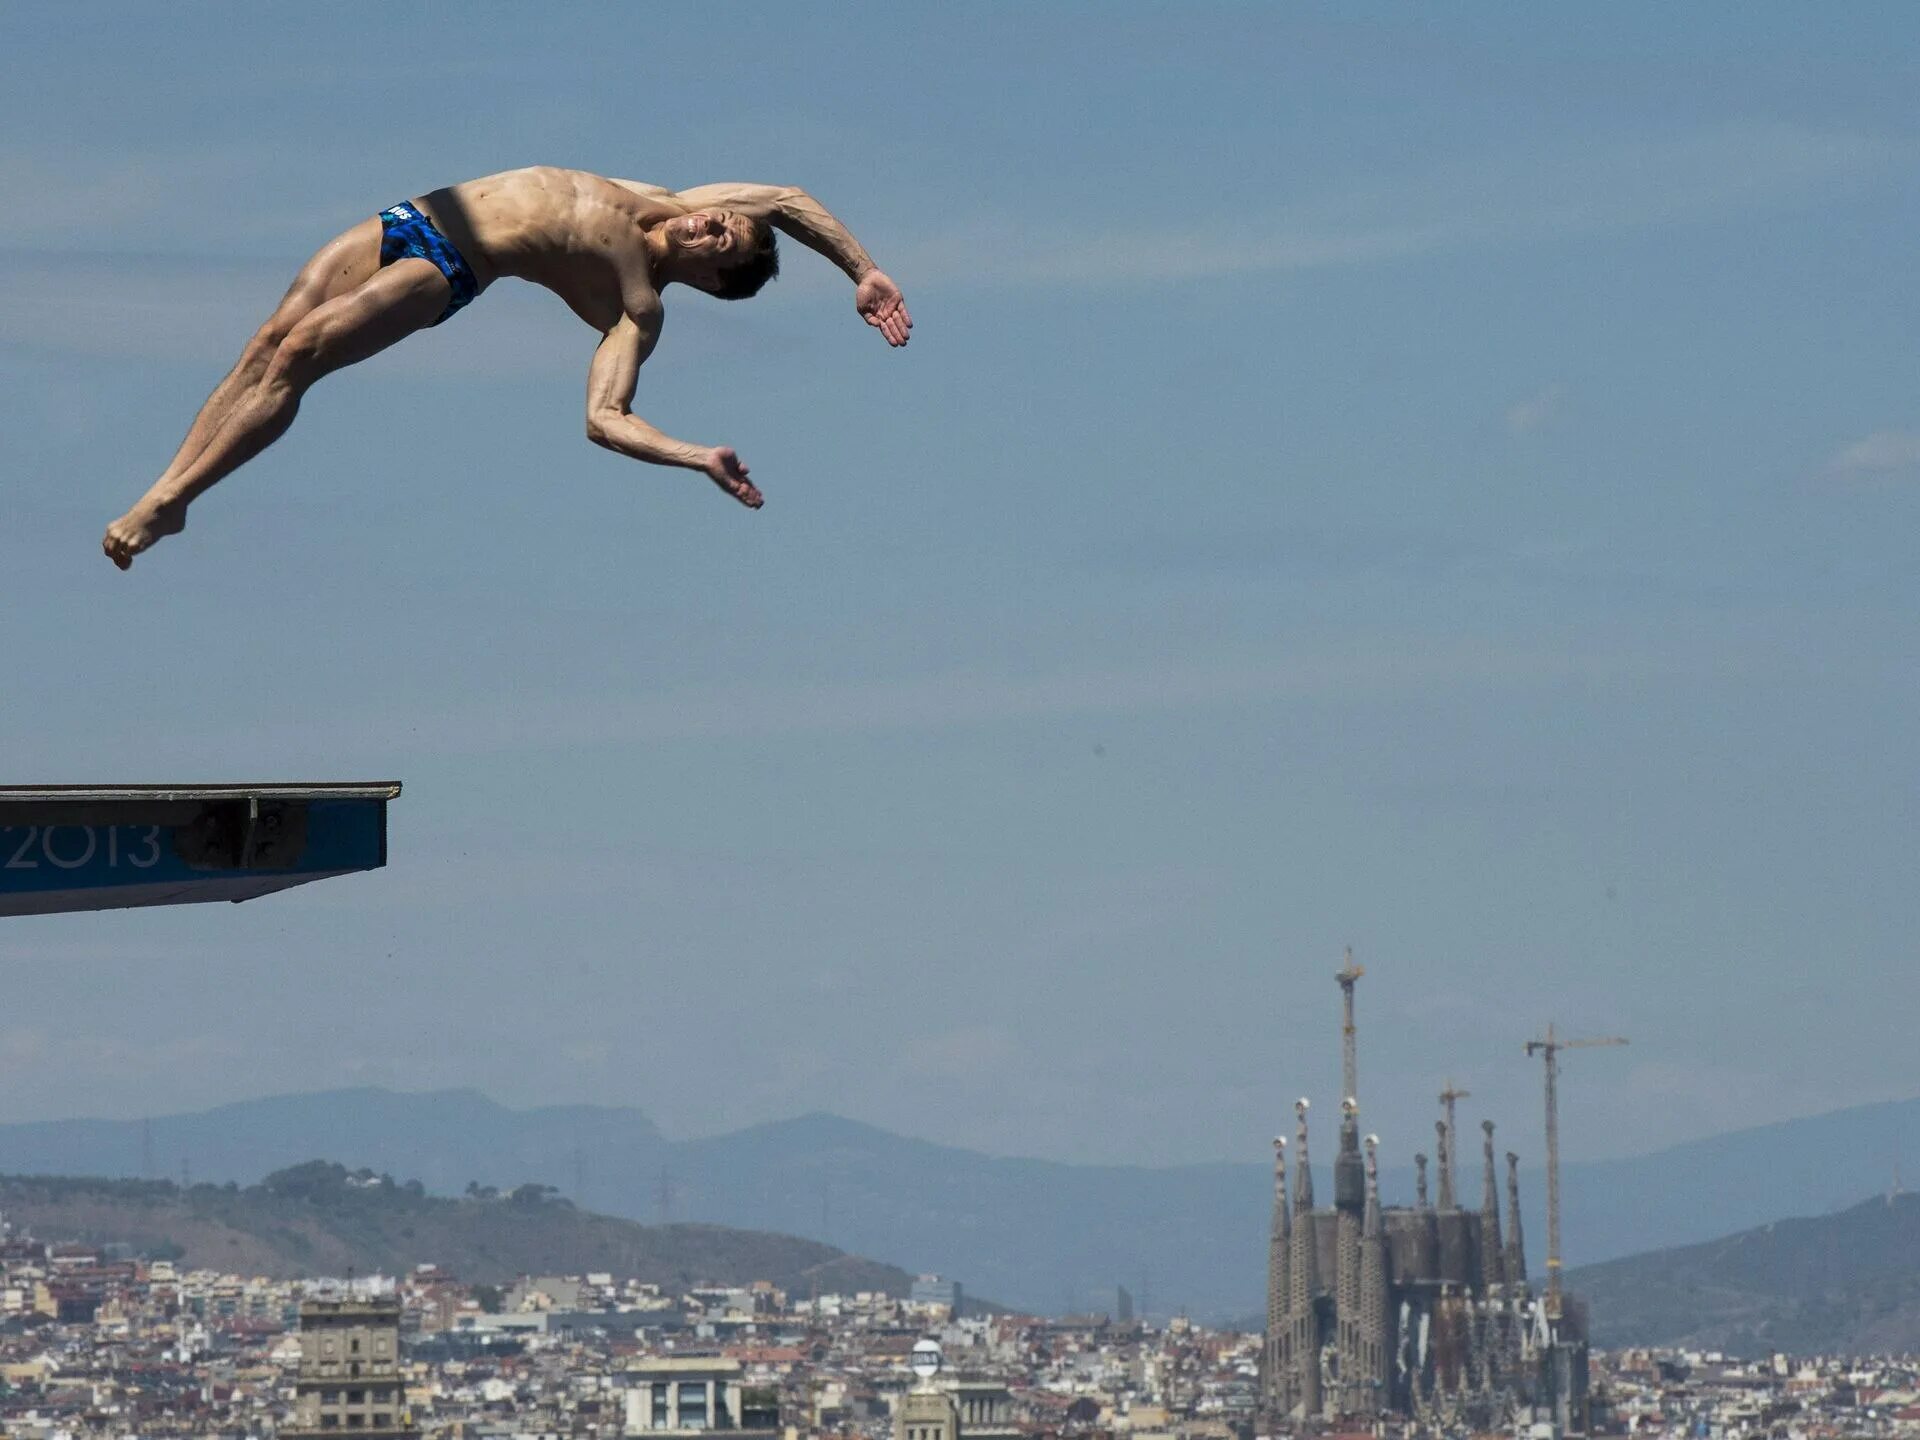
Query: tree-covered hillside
(319, 1218)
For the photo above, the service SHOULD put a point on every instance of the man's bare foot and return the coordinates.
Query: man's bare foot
(139, 528)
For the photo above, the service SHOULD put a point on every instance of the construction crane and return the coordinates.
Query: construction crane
(1551, 1047)
(1349, 1064)
(1448, 1193)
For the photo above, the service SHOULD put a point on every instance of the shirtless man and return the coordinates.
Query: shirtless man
(606, 247)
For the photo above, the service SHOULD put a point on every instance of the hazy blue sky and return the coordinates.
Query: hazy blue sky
(1442, 479)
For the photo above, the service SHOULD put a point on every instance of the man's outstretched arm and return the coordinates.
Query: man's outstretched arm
(789, 208)
(612, 424)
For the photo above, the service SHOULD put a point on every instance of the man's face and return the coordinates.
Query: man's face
(716, 238)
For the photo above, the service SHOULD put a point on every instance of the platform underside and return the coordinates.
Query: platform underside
(66, 848)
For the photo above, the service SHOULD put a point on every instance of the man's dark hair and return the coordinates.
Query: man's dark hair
(745, 277)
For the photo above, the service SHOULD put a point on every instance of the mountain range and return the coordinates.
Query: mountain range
(1841, 1284)
(1039, 1234)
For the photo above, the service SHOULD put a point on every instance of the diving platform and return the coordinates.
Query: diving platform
(108, 847)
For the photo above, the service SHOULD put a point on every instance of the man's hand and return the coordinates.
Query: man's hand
(726, 471)
(880, 304)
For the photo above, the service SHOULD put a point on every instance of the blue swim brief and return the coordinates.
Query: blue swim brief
(405, 231)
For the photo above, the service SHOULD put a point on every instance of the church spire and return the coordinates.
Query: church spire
(1349, 1171)
(1302, 1168)
(1516, 1256)
(1277, 1262)
(1489, 1189)
(1492, 1262)
(1371, 1226)
(1282, 1214)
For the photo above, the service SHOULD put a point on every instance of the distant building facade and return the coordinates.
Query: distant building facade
(984, 1410)
(936, 1290)
(349, 1380)
(926, 1415)
(685, 1395)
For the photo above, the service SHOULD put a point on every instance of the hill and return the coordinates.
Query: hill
(1035, 1233)
(1844, 1283)
(318, 1219)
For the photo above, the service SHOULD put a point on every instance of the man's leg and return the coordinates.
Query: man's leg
(342, 264)
(243, 377)
(408, 295)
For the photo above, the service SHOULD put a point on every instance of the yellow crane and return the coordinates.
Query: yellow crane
(1551, 1047)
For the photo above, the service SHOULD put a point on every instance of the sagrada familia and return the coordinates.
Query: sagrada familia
(1424, 1312)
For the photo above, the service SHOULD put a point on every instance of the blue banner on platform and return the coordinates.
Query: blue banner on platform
(219, 856)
